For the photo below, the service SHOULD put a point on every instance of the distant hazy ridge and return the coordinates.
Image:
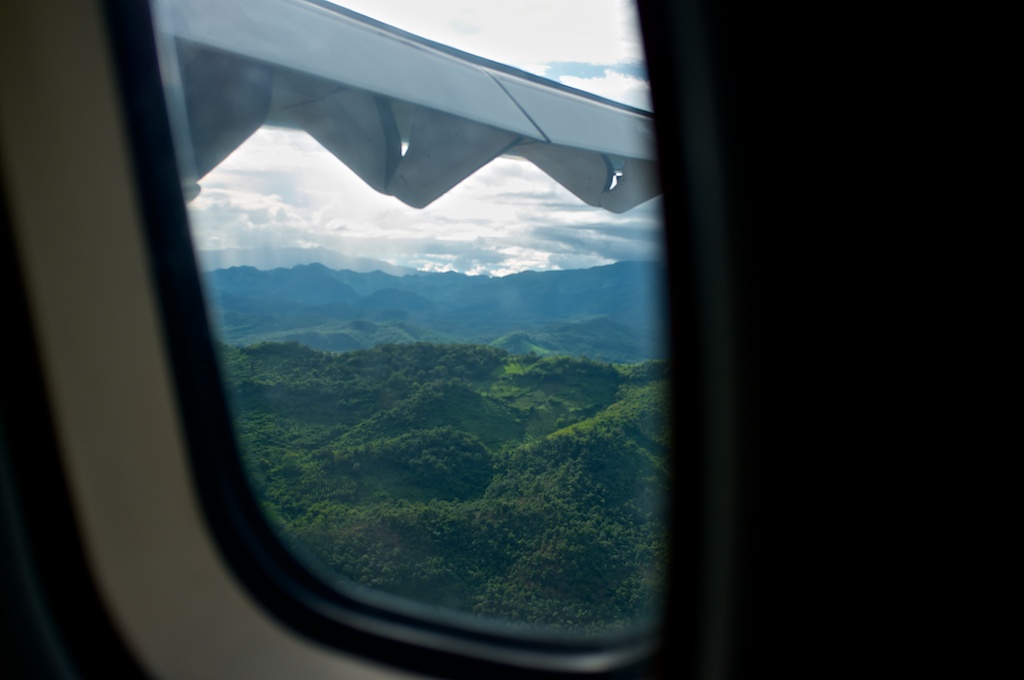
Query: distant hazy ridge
(611, 313)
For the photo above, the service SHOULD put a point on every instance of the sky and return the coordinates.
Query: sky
(282, 189)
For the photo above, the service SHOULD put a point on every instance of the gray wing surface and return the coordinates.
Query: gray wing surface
(410, 117)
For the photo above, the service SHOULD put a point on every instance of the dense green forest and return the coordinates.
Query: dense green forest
(506, 486)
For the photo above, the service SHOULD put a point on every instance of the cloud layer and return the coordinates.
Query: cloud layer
(281, 189)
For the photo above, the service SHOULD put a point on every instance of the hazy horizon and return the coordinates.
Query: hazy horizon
(265, 259)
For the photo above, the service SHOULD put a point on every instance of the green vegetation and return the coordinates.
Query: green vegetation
(519, 487)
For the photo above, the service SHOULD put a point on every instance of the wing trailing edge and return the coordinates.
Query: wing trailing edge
(410, 117)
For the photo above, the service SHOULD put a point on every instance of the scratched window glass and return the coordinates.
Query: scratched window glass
(431, 247)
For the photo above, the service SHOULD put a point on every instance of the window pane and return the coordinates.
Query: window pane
(436, 289)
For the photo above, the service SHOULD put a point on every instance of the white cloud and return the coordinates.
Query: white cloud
(615, 86)
(281, 189)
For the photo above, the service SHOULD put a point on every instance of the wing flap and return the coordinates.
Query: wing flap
(362, 89)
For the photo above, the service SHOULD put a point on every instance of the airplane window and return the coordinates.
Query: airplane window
(435, 283)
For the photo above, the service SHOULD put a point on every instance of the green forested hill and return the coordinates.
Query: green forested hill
(500, 485)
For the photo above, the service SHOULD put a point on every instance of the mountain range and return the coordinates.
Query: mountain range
(274, 258)
(611, 313)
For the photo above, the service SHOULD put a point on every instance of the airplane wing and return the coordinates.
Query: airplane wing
(411, 117)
